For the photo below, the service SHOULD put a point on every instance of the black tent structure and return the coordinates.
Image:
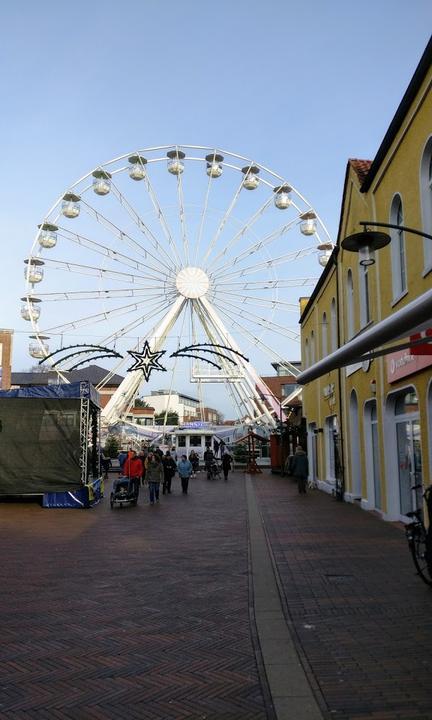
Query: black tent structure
(49, 444)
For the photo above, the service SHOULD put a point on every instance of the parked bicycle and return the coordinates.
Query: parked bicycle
(420, 539)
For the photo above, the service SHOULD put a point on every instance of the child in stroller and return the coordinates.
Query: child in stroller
(124, 492)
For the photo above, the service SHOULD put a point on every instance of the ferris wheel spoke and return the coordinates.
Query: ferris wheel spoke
(246, 227)
(251, 379)
(222, 223)
(99, 272)
(119, 257)
(93, 319)
(162, 220)
(268, 284)
(122, 332)
(259, 301)
(203, 218)
(214, 336)
(143, 228)
(289, 257)
(180, 198)
(146, 292)
(264, 322)
(257, 246)
(121, 235)
(253, 338)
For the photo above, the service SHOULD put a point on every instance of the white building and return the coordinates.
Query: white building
(185, 406)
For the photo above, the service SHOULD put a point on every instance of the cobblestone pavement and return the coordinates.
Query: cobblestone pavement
(138, 613)
(362, 618)
(146, 613)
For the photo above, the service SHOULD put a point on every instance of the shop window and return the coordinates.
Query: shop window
(426, 201)
(398, 249)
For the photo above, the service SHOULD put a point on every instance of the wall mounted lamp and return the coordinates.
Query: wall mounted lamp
(367, 241)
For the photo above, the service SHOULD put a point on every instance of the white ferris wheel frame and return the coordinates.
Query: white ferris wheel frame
(250, 394)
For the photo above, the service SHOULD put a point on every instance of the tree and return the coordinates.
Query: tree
(141, 403)
(172, 418)
(240, 453)
(112, 446)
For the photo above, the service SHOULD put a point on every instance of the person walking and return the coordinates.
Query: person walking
(208, 461)
(184, 468)
(143, 457)
(169, 468)
(226, 464)
(132, 469)
(300, 468)
(154, 476)
(194, 461)
(122, 457)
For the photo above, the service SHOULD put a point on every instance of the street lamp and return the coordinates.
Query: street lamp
(367, 241)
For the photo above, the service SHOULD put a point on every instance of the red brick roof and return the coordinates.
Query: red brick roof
(361, 168)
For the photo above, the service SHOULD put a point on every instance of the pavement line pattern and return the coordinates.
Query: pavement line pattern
(291, 693)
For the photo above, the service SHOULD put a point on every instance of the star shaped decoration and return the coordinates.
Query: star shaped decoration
(146, 360)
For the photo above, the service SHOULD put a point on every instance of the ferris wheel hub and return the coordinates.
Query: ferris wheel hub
(192, 282)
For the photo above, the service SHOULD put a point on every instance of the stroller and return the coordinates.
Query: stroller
(213, 471)
(124, 492)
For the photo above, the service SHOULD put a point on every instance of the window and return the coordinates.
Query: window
(365, 315)
(350, 304)
(307, 356)
(312, 348)
(333, 326)
(398, 249)
(426, 201)
(288, 389)
(324, 333)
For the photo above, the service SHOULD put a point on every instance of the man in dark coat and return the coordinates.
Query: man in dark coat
(169, 468)
(300, 468)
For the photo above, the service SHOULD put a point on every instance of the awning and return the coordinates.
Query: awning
(413, 318)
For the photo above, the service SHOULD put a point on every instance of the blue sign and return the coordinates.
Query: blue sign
(194, 425)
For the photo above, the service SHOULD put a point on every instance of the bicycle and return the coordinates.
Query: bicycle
(420, 539)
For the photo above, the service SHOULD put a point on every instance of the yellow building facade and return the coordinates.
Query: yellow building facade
(369, 414)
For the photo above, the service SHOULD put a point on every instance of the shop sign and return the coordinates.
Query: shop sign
(402, 363)
(424, 348)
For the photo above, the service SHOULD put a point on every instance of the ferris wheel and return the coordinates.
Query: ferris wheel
(183, 258)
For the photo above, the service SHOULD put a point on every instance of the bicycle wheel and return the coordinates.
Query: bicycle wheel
(418, 544)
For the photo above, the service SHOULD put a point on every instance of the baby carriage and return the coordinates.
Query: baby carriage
(213, 470)
(124, 492)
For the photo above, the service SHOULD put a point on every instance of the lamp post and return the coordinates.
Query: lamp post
(367, 241)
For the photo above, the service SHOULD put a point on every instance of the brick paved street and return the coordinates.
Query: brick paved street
(362, 618)
(147, 613)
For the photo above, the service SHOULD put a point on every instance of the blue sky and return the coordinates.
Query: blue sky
(299, 86)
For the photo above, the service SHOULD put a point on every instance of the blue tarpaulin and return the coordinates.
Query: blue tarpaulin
(65, 391)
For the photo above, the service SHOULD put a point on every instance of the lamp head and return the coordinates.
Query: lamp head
(365, 243)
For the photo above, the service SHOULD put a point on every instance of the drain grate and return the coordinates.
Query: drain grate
(338, 578)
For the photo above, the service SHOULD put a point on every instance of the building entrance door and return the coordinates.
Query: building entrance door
(408, 452)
